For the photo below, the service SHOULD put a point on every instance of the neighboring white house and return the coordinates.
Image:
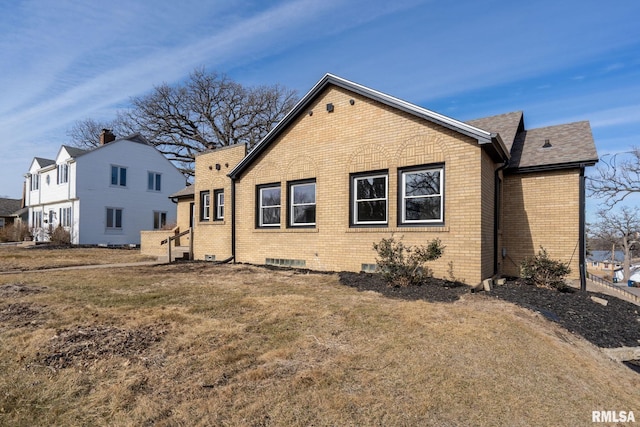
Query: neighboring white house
(105, 195)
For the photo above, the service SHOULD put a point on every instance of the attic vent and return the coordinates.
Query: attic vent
(547, 144)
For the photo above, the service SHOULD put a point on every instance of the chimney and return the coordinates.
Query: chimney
(106, 136)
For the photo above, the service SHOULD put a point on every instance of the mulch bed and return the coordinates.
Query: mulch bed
(615, 325)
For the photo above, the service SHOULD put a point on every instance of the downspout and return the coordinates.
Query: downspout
(233, 219)
(581, 239)
(496, 213)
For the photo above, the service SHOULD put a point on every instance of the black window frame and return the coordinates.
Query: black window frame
(259, 189)
(291, 205)
(353, 211)
(114, 218)
(205, 214)
(217, 205)
(402, 222)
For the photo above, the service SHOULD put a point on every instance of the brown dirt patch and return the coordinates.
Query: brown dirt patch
(21, 315)
(82, 346)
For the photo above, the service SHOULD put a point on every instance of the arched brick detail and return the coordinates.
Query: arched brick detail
(301, 167)
(423, 149)
(368, 158)
(267, 172)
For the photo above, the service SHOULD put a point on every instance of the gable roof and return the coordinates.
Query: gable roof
(74, 151)
(563, 145)
(508, 125)
(491, 140)
(552, 147)
(186, 192)
(8, 207)
(43, 163)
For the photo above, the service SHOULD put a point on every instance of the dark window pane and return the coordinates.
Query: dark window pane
(150, 181)
(271, 216)
(123, 177)
(422, 183)
(371, 188)
(423, 208)
(372, 211)
(271, 197)
(305, 193)
(114, 175)
(304, 214)
(118, 223)
(110, 218)
(158, 182)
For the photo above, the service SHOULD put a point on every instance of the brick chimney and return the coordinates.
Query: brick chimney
(106, 136)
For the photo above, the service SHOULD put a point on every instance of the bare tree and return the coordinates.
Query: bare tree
(619, 228)
(207, 111)
(617, 177)
(86, 133)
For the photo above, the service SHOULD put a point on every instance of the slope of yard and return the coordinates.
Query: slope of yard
(198, 344)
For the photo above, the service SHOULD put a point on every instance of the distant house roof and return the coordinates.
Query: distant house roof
(187, 192)
(9, 207)
(74, 151)
(604, 256)
(508, 125)
(44, 162)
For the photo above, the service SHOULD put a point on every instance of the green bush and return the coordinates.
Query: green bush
(403, 265)
(545, 272)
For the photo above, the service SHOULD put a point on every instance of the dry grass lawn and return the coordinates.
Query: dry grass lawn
(198, 344)
(34, 258)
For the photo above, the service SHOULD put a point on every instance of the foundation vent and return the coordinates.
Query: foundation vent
(209, 257)
(368, 268)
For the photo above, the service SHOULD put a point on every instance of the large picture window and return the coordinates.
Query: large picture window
(269, 206)
(369, 195)
(422, 196)
(302, 204)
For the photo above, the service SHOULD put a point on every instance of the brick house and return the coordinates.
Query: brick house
(349, 166)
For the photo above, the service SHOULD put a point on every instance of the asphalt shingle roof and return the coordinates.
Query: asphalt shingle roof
(9, 207)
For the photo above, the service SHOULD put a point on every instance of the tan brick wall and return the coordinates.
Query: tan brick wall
(542, 209)
(367, 136)
(150, 242)
(214, 237)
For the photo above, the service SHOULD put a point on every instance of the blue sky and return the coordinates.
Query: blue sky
(558, 61)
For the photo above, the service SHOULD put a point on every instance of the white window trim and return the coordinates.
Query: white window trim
(354, 184)
(119, 183)
(154, 182)
(114, 227)
(262, 207)
(160, 224)
(292, 189)
(219, 204)
(205, 209)
(404, 198)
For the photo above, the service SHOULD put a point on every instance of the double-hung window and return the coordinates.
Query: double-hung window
(154, 181)
(159, 220)
(114, 218)
(370, 200)
(65, 217)
(219, 204)
(269, 205)
(118, 176)
(63, 174)
(205, 205)
(421, 192)
(35, 181)
(302, 204)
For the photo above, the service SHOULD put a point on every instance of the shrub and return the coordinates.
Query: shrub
(16, 232)
(403, 265)
(545, 272)
(60, 236)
